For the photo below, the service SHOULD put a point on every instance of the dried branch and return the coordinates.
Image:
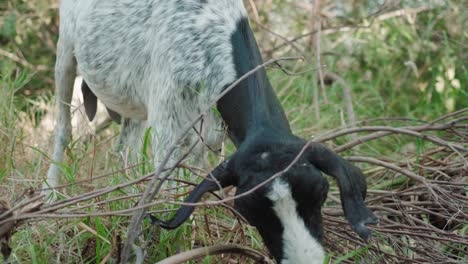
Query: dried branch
(420, 213)
(217, 250)
(23, 62)
(385, 130)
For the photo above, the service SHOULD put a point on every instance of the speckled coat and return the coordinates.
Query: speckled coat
(155, 62)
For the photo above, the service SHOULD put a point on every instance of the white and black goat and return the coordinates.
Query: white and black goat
(157, 63)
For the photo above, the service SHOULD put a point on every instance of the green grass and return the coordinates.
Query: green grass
(395, 68)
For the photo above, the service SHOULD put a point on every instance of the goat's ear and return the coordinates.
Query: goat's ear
(219, 178)
(352, 186)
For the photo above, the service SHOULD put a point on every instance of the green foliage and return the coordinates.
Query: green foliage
(28, 33)
(8, 29)
(353, 255)
(12, 82)
(412, 66)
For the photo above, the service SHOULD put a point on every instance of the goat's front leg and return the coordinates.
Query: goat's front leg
(352, 186)
(130, 141)
(165, 132)
(65, 72)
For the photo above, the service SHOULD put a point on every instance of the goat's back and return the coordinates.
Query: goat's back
(133, 52)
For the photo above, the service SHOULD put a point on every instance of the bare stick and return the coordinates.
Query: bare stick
(216, 250)
(315, 19)
(254, 10)
(318, 56)
(23, 62)
(384, 130)
(347, 97)
(408, 173)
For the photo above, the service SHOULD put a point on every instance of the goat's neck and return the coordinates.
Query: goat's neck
(251, 108)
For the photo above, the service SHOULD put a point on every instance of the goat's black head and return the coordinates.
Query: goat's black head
(286, 210)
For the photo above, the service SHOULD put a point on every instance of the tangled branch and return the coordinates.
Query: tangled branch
(420, 199)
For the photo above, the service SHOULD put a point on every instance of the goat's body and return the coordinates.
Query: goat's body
(135, 57)
(158, 64)
(153, 61)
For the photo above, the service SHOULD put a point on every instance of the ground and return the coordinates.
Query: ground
(392, 79)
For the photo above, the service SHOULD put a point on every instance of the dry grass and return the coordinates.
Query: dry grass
(393, 61)
(421, 202)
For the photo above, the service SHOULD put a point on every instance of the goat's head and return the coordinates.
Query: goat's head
(285, 210)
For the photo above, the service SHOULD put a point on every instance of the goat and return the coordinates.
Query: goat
(157, 63)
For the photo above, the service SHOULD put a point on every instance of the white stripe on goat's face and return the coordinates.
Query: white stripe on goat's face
(299, 247)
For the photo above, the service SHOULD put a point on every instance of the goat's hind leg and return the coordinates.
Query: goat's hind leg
(65, 73)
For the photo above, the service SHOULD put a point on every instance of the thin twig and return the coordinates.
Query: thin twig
(217, 250)
(23, 62)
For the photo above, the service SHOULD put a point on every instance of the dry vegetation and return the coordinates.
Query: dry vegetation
(392, 98)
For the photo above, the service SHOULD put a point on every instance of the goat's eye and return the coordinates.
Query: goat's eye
(264, 155)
